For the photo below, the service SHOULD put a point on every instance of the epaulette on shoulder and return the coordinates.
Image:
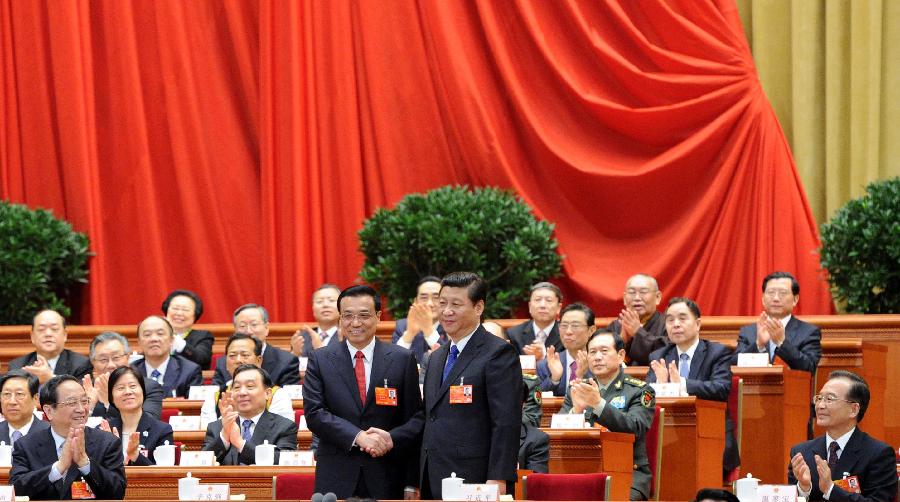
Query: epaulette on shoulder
(634, 381)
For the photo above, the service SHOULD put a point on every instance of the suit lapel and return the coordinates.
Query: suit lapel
(62, 364)
(697, 361)
(381, 360)
(171, 376)
(528, 334)
(264, 426)
(849, 456)
(339, 356)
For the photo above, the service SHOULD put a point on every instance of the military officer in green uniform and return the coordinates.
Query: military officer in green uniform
(531, 408)
(616, 401)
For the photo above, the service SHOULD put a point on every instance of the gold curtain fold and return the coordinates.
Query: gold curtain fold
(831, 69)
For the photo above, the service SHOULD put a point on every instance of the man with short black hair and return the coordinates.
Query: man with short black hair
(325, 312)
(535, 335)
(18, 397)
(50, 357)
(241, 349)
(557, 370)
(284, 367)
(174, 373)
(641, 326)
(423, 317)
(845, 464)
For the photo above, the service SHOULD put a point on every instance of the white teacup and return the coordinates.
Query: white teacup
(265, 454)
(164, 455)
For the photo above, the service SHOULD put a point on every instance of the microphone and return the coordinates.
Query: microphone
(316, 497)
(329, 497)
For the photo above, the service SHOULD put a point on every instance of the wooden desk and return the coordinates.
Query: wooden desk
(549, 406)
(161, 483)
(693, 444)
(581, 451)
(775, 414)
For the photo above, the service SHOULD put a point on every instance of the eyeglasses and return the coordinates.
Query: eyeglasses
(253, 326)
(347, 317)
(829, 399)
(71, 403)
(574, 326)
(8, 396)
(777, 293)
(641, 292)
(103, 361)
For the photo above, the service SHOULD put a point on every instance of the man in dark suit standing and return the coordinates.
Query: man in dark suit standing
(777, 332)
(247, 424)
(423, 317)
(535, 335)
(325, 312)
(472, 391)
(641, 326)
(50, 357)
(18, 396)
(174, 373)
(361, 399)
(845, 464)
(700, 367)
(183, 308)
(557, 370)
(67, 460)
(253, 320)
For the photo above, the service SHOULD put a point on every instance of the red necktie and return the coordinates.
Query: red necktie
(360, 369)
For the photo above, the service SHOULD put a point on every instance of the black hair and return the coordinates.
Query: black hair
(49, 394)
(48, 310)
(267, 380)
(795, 286)
(716, 494)
(427, 278)
(360, 290)
(858, 393)
(618, 343)
(257, 345)
(691, 304)
(198, 304)
(588, 312)
(119, 373)
(32, 381)
(476, 288)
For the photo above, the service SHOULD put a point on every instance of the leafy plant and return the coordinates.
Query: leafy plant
(486, 230)
(41, 261)
(861, 250)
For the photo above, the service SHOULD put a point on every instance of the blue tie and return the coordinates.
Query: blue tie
(684, 369)
(155, 374)
(15, 436)
(245, 430)
(451, 359)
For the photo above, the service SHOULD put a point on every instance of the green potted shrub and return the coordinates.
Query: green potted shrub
(861, 251)
(485, 230)
(43, 259)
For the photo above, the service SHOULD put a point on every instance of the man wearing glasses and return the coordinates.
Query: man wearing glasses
(282, 366)
(18, 396)
(845, 464)
(361, 399)
(557, 370)
(67, 460)
(641, 327)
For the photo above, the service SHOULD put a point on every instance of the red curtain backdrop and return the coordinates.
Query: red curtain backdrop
(235, 147)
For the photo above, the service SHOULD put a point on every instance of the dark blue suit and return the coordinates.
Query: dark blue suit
(710, 378)
(35, 454)
(872, 461)
(419, 345)
(36, 425)
(198, 347)
(801, 350)
(180, 375)
(307, 342)
(335, 414)
(277, 430)
(543, 373)
(153, 433)
(478, 441)
(523, 334)
(282, 366)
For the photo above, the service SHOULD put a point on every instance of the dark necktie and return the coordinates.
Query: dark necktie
(451, 360)
(15, 436)
(360, 369)
(833, 450)
(155, 374)
(572, 373)
(245, 430)
(323, 335)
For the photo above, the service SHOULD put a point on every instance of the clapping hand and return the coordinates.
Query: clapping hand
(630, 322)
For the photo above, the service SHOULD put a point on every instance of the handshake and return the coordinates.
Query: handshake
(374, 441)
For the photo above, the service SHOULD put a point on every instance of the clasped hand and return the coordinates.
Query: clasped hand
(665, 373)
(802, 474)
(375, 441)
(73, 450)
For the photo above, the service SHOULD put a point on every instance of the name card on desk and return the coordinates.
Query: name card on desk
(294, 391)
(198, 459)
(528, 361)
(203, 392)
(753, 360)
(567, 421)
(7, 494)
(185, 423)
(212, 491)
(666, 389)
(776, 493)
(479, 492)
(296, 458)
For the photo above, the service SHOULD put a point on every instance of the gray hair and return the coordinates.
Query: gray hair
(547, 285)
(262, 311)
(108, 336)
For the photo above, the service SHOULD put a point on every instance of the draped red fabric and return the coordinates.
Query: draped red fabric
(235, 148)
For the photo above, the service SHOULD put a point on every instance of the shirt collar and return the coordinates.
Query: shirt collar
(841, 441)
(785, 320)
(161, 368)
(24, 429)
(57, 439)
(546, 330)
(368, 351)
(690, 351)
(461, 345)
(254, 419)
(52, 363)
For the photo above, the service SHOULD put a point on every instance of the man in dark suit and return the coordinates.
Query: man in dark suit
(253, 320)
(325, 332)
(616, 401)
(50, 357)
(472, 394)
(639, 324)
(247, 424)
(777, 332)
(365, 409)
(18, 396)
(423, 317)
(535, 335)
(67, 460)
(557, 370)
(845, 464)
(183, 308)
(701, 368)
(174, 373)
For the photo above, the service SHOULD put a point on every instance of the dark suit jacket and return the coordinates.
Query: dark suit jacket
(801, 350)
(649, 337)
(477, 441)
(37, 425)
(153, 400)
(198, 347)
(279, 431)
(69, 363)
(523, 334)
(153, 433)
(872, 461)
(543, 373)
(534, 449)
(307, 343)
(180, 375)
(419, 346)
(336, 415)
(34, 455)
(710, 378)
(282, 366)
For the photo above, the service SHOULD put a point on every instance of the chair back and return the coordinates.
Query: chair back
(214, 361)
(654, 444)
(594, 486)
(736, 414)
(298, 414)
(168, 413)
(294, 486)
